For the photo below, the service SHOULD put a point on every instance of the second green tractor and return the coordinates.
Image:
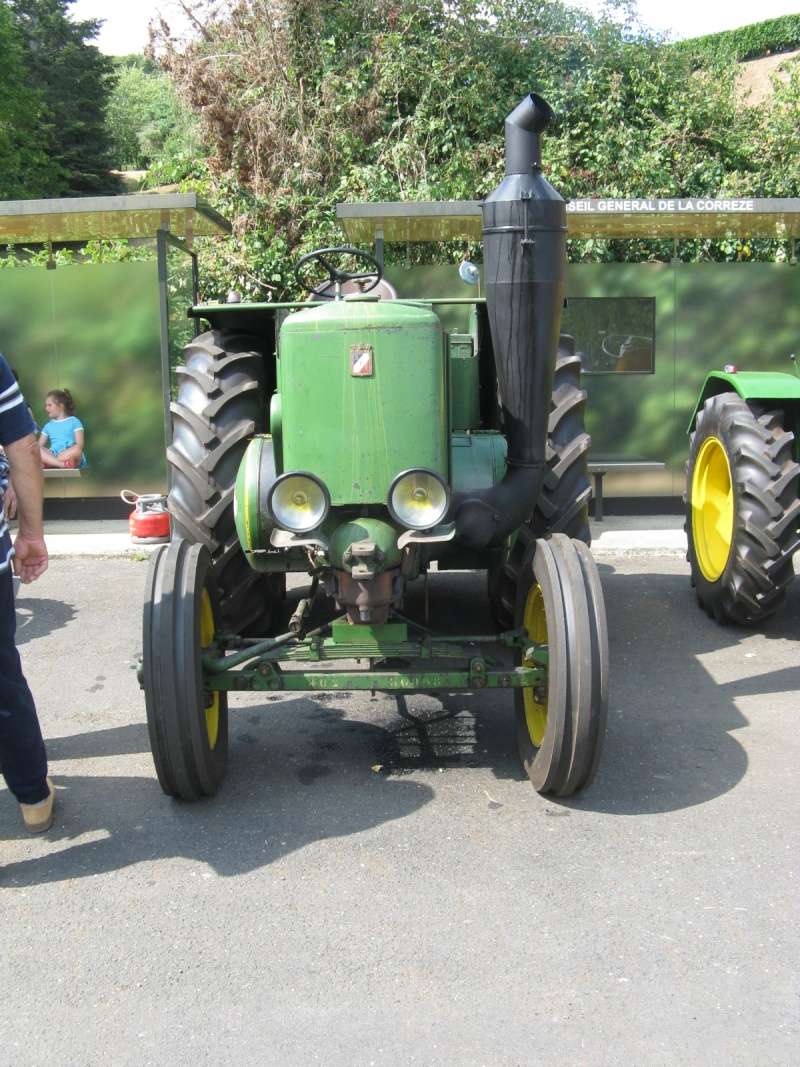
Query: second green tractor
(742, 493)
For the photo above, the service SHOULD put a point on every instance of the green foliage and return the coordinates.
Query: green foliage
(16, 257)
(771, 165)
(307, 103)
(145, 120)
(26, 169)
(747, 42)
(72, 79)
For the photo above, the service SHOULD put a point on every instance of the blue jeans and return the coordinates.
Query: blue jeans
(23, 759)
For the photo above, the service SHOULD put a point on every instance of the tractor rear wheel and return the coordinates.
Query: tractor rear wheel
(563, 504)
(188, 726)
(742, 509)
(221, 402)
(560, 728)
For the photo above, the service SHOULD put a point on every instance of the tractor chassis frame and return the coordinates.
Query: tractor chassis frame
(261, 666)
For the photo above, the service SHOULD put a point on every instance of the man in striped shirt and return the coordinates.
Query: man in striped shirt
(22, 754)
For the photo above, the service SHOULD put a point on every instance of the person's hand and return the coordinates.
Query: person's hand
(9, 502)
(30, 559)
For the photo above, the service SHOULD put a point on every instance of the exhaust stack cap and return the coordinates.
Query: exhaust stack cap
(523, 127)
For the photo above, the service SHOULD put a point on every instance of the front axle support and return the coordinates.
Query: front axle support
(258, 667)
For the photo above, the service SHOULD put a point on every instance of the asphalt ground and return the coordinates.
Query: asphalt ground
(377, 883)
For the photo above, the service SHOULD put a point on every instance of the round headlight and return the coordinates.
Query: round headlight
(298, 502)
(418, 499)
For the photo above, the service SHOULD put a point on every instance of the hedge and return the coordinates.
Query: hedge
(748, 42)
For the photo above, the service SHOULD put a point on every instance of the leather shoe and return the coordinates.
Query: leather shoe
(39, 817)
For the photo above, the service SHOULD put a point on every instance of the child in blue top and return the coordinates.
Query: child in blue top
(64, 432)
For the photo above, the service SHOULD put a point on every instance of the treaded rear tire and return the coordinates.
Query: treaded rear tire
(563, 504)
(221, 403)
(766, 509)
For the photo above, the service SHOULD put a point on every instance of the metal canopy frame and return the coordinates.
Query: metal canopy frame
(141, 215)
(165, 240)
(643, 218)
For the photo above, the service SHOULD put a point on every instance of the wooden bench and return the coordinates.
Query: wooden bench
(599, 468)
(61, 472)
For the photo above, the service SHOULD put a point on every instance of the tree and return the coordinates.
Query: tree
(306, 103)
(26, 169)
(74, 80)
(145, 119)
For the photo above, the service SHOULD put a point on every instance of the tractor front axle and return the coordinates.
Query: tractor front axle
(258, 667)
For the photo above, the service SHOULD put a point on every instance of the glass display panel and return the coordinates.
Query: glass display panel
(92, 329)
(613, 335)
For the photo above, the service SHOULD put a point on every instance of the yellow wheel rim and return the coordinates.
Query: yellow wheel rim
(712, 509)
(534, 622)
(206, 637)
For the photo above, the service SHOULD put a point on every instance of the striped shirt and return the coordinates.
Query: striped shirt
(15, 422)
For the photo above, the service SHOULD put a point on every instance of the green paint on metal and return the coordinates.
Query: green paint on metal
(200, 310)
(274, 679)
(254, 525)
(464, 394)
(252, 528)
(345, 633)
(382, 534)
(363, 396)
(275, 426)
(477, 460)
(750, 385)
(315, 648)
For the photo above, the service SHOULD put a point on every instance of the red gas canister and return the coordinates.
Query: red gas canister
(149, 521)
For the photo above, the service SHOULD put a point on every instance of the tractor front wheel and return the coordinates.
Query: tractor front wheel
(560, 725)
(188, 725)
(742, 509)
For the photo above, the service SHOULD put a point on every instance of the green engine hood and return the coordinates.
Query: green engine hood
(362, 395)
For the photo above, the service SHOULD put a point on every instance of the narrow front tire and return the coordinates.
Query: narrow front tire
(561, 725)
(187, 724)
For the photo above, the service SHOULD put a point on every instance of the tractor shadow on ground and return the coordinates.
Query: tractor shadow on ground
(299, 773)
(115, 741)
(434, 731)
(670, 741)
(305, 770)
(39, 616)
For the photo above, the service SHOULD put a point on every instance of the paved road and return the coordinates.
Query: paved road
(436, 911)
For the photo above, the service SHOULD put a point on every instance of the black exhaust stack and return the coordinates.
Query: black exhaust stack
(524, 255)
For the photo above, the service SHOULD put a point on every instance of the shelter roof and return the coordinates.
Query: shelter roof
(640, 218)
(106, 217)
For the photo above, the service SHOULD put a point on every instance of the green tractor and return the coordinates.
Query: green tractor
(742, 485)
(350, 439)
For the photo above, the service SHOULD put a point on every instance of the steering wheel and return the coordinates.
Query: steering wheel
(337, 277)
